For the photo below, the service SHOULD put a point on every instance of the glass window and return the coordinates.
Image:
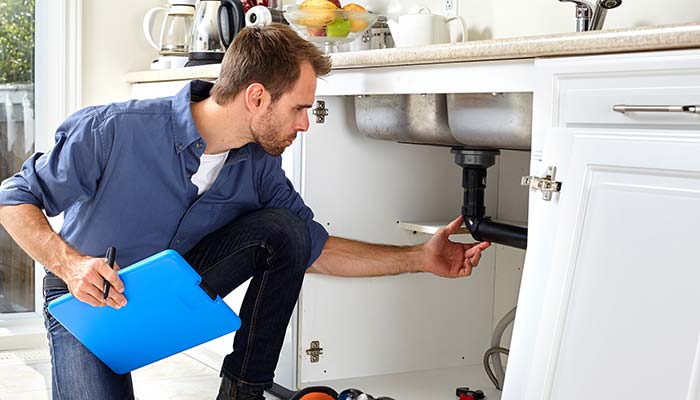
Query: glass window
(16, 140)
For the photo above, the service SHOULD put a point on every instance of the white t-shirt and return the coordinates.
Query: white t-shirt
(209, 167)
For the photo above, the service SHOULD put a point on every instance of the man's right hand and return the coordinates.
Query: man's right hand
(28, 226)
(85, 279)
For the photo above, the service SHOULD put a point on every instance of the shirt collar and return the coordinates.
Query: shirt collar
(184, 130)
(238, 155)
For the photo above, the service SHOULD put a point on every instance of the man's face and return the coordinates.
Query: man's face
(276, 128)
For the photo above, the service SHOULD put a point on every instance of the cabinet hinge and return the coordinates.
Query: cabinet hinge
(315, 351)
(321, 112)
(546, 184)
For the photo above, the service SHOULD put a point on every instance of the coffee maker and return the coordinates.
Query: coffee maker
(173, 43)
(215, 24)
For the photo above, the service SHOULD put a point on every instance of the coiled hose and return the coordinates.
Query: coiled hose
(498, 375)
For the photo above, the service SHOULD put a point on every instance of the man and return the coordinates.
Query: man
(199, 173)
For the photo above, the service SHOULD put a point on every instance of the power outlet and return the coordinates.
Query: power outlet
(449, 7)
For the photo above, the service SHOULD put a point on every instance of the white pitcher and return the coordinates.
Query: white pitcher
(423, 28)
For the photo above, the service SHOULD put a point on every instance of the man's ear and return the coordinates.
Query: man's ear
(256, 97)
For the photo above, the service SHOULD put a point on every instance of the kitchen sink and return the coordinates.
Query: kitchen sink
(474, 120)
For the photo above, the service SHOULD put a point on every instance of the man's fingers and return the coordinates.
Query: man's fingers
(116, 299)
(85, 298)
(112, 302)
(483, 245)
(90, 294)
(474, 248)
(466, 269)
(472, 255)
(111, 277)
(93, 278)
(453, 227)
(475, 259)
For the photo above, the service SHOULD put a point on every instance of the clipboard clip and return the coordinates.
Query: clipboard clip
(208, 290)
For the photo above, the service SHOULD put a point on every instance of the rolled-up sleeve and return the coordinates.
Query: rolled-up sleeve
(278, 192)
(68, 173)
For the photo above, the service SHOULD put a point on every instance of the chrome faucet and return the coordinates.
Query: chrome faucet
(590, 18)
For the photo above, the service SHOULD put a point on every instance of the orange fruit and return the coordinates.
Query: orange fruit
(356, 25)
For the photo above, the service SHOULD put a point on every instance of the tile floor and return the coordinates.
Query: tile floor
(26, 375)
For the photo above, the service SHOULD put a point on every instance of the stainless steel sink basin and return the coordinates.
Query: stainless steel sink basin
(479, 121)
(413, 118)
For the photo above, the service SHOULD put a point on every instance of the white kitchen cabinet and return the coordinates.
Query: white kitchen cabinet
(608, 299)
(361, 189)
(605, 305)
(413, 336)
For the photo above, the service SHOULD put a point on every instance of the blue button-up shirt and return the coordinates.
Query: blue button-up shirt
(122, 175)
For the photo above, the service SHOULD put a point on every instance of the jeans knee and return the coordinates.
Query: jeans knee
(289, 235)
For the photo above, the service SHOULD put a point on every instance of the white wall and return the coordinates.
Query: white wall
(508, 18)
(113, 44)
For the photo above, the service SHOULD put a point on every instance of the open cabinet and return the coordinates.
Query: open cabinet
(410, 336)
(605, 293)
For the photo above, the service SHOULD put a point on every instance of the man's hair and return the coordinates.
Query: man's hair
(271, 55)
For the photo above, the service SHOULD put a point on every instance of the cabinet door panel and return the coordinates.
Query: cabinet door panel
(619, 312)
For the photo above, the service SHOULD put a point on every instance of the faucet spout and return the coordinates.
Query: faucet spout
(601, 11)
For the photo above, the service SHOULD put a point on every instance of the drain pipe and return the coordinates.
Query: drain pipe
(474, 164)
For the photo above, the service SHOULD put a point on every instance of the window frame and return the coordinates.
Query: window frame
(57, 93)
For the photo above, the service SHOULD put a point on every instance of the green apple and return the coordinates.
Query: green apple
(338, 28)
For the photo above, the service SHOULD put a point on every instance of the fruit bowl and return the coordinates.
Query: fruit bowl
(329, 26)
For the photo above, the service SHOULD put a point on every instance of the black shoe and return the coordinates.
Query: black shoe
(230, 390)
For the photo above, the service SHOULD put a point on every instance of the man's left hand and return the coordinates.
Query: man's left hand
(443, 257)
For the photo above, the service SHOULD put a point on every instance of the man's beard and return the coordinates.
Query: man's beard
(267, 135)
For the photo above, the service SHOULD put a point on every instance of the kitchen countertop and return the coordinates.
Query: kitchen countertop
(649, 38)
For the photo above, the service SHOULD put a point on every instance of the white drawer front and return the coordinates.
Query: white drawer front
(588, 101)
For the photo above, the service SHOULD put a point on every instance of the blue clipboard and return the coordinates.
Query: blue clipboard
(166, 312)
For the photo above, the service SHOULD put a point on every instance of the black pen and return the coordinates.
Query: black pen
(111, 253)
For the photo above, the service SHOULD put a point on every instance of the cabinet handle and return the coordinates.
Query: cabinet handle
(623, 108)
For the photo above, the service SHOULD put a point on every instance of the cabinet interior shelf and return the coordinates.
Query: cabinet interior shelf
(431, 227)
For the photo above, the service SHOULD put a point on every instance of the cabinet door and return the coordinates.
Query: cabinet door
(618, 313)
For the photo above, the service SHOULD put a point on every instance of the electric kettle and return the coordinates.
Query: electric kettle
(176, 28)
(215, 24)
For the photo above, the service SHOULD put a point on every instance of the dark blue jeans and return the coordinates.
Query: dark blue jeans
(272, 246)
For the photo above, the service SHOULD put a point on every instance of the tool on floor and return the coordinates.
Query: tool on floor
(315, 393)
(464, 393)
(309, 393)
(320, 393)
(355, 394)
